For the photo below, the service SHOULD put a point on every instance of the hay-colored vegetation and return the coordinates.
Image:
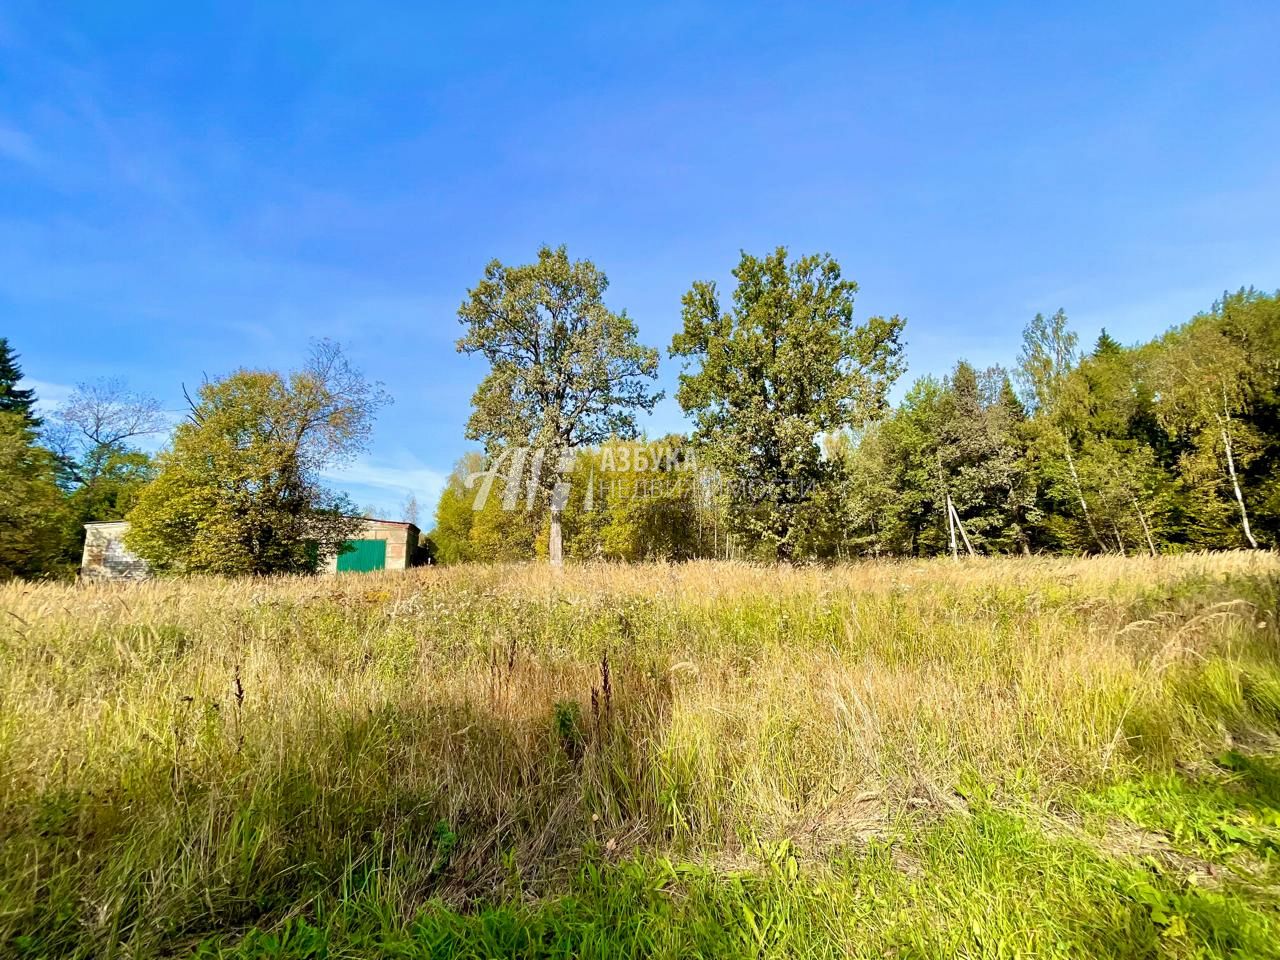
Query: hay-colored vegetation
(988, 758)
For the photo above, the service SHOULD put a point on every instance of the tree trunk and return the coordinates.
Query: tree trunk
(1119, 539)
(555, 543)
(1075, 478)
(1146, 529)
(1235, 483)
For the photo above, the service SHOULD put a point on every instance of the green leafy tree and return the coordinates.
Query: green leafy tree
(480, 518)
(565, 371)
(502, 535)
(639, 500)
(1126, 486)
(454, 514)
(1252, 319)
(239, 490)
(871, 489)
(1124, 463)
(982, 467)
(120, 476)
(1008, 417)
(92, 435)
(591, 505)
(766, 379)
(1045, 365)
(33, 512)
(1207, 380)
(944, 470)
(913, 515)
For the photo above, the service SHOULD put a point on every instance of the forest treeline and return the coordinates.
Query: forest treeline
(1102, 448)
(794, 452)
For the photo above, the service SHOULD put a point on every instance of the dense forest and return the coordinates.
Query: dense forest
(1163, 446)
(794, 452)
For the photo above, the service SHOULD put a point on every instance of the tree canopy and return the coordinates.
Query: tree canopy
(763, 380)
(239, 491)
(33, 513)
(795, 452)
(564, 370)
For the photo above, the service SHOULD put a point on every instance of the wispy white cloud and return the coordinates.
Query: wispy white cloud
(386, 483)
(49, 396)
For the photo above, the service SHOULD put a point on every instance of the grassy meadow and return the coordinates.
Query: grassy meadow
(990, 758)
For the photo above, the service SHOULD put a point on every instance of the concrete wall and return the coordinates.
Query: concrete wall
(402, 539)
(105, 556)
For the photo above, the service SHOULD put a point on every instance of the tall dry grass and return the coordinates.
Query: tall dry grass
(180, 755)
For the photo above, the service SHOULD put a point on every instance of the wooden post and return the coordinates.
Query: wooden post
(951, 528)
(959, 526)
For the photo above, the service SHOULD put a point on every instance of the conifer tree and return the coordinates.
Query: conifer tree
(14, 399)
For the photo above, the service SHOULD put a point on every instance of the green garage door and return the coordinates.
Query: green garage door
(364, 555)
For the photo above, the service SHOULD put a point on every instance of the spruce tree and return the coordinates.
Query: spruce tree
(12, 399)
(1107, 345)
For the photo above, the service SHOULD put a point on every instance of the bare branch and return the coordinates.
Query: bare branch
(106, 413)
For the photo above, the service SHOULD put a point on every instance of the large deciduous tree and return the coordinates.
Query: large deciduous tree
(99, 420)
(565, 370)
(239, 491)
(765, 379)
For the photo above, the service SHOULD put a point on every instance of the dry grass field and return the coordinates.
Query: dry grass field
(987, 758)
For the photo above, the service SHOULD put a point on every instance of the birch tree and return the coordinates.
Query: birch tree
(1044, 366)
(1204, 379)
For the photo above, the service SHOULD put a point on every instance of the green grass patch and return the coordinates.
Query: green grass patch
(986, 885)
(1228, 813)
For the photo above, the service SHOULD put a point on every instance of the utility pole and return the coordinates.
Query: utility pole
(951, 529)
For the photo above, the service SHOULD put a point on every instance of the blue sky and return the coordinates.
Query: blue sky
(186, 189)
